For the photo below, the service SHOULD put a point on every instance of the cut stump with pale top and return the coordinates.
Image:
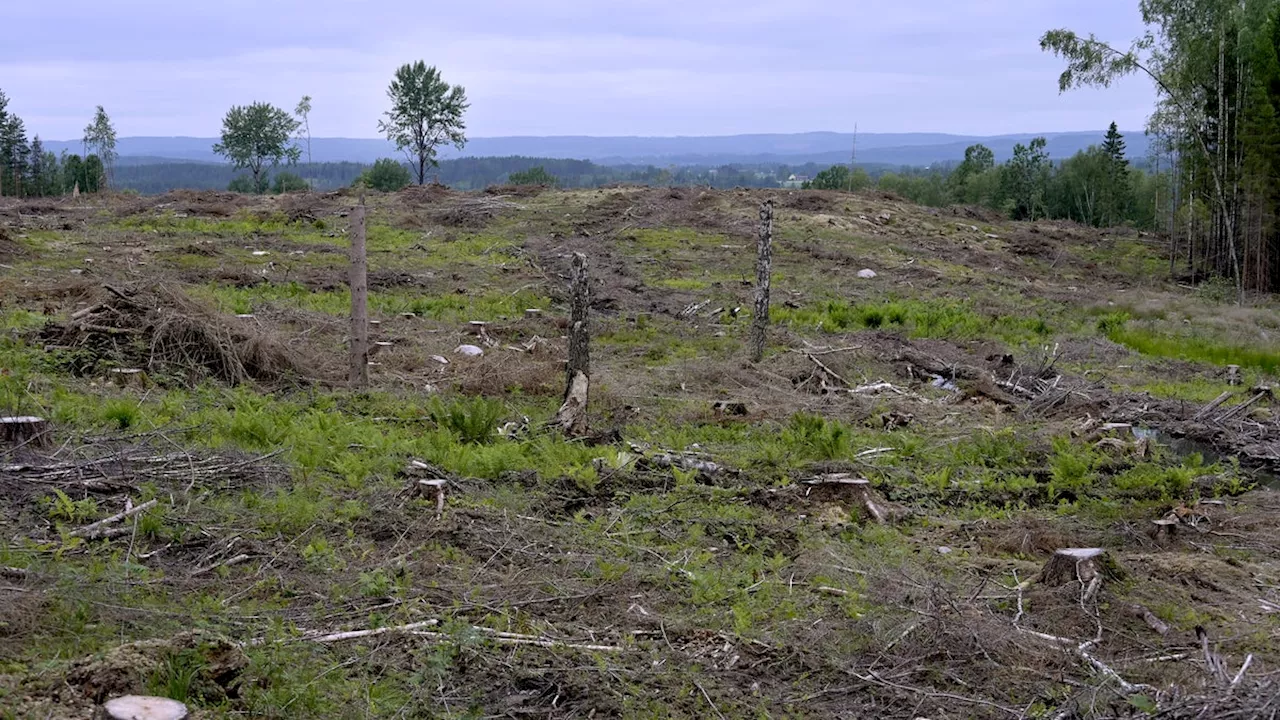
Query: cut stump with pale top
(25, 431)
(854, 492)
(139, 707)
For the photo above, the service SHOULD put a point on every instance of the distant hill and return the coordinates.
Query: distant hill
(915, 149)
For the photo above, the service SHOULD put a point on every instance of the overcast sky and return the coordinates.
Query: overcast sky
(567, 67)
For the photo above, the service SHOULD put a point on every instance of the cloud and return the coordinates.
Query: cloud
(657, 67)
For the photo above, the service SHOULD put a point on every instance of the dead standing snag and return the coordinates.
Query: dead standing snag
(572, 416)
(764, 273)
(359, 301)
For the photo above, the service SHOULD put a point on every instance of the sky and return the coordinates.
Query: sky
(568, 67)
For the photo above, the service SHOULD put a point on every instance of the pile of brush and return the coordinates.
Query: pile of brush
(157, 328)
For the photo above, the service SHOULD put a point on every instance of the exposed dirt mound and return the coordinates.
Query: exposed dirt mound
(729, 213)
(204, 202)
(978, 213)
(809, 200)
(471, 212)
(425, 194)
(517, 190)
(159, 329)
(214, 665)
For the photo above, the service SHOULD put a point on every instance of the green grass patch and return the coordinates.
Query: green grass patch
(667, 240)
(240, 225)
(491, 305)
(1196, 349)
(937, 318)
(686, 284)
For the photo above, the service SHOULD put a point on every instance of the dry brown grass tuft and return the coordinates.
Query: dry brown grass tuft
(498, 375)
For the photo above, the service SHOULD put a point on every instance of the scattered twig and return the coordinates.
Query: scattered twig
(97, 530)
(830, 373)
(418, 630)
(242, 557)
(873, 678)
(1243, 668)
(714, 709)
(357, 634)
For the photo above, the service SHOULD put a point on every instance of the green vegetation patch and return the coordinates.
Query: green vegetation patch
(1188, 347)
(491, 305)
(936, 318)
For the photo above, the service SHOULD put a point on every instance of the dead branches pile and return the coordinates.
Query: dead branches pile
(472, 212)
(127, 468)
(158, 328)
(1215, 415)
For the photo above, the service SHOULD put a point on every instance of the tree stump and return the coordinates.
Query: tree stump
(436, 488)
(1087, 566)
(1233, 375)
(764, 274)
(1164, 529)
(127, 377)
(25, 431)
(855, 493)
(138, 707)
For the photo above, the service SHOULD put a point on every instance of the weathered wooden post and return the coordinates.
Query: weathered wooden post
(572, 417)
(359, 281)
(764, 272)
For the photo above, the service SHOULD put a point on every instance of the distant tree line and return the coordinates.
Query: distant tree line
(28, 170)
(1097, 186)
(1216, 68)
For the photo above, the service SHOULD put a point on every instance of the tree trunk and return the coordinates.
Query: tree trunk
(579, 330)
(25, 431)
(572, 417)
(764, 274)
(359, 280)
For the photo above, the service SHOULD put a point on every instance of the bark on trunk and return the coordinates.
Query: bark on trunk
(359, 280)
(764, 273)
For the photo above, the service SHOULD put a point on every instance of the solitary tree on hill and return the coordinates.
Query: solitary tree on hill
(425, 113)
(255, 134)
(1114, 145)
(100, 140)
(303, 111)
(1120, 190)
